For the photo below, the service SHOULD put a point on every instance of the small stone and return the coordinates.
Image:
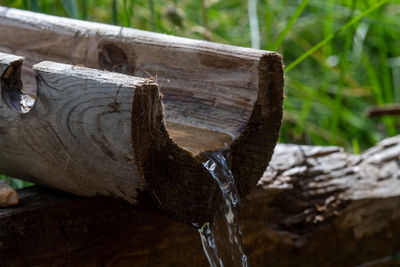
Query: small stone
(336, 213)
(320, 208)
(8, 196)
(318, 219)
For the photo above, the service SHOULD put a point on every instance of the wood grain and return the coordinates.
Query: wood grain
(219, 78)
(214, 85)
(213, 95)
(314, 206)
(76, 136)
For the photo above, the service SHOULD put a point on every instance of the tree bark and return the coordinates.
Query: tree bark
(320, 206)
(314, 206)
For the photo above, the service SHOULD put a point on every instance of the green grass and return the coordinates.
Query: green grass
(340, 54)
(16, 183)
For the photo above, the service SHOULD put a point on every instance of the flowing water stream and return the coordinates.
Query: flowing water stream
(222, 240)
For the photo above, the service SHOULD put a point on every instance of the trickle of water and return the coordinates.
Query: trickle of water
(222, 241)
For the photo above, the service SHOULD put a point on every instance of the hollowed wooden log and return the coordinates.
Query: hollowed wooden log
(212, 95)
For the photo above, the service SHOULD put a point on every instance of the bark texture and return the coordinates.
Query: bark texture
(314, 206)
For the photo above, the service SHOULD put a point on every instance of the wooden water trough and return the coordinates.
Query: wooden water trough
(101, 130)
(131, 126)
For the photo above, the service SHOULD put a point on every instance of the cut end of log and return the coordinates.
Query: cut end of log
(170, 156)
(252, 152)
(174, 179)
(168, 149)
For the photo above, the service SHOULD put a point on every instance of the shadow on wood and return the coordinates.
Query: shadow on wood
(314, 206)
(213, 95)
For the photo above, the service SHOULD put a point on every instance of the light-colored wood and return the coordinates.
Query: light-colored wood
(76, 136)
(213, 95)
(207, 71)
(220, 79)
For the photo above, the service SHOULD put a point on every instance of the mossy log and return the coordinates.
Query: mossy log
(314, 206)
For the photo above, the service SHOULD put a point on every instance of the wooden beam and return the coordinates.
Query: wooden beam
(212, 94)
(314, 206)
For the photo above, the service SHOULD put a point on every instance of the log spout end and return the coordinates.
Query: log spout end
(169, 156)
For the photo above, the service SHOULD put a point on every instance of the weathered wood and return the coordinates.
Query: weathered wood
(76, 137)
(314, 206)
(212, 94)
(215, 85)
(52, 228)
(324, 207)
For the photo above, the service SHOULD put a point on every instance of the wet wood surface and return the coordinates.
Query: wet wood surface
(314, 206)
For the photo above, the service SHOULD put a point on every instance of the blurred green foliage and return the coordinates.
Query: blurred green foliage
(16, 183)
(343, 56)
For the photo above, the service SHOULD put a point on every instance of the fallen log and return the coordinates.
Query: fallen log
(324, 207)
(213, 95)
(314, 206)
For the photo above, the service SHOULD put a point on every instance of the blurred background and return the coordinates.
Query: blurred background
(341, 56)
